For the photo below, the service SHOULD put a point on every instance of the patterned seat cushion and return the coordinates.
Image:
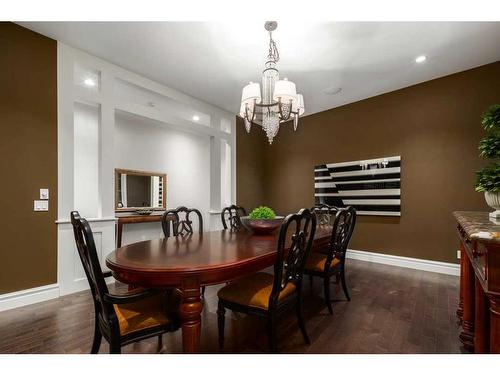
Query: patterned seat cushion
(316, 262)
(253, 291)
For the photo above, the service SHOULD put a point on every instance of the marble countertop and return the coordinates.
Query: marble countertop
(479, 226)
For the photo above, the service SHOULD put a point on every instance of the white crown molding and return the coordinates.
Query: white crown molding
(28, 296)
(399, 261)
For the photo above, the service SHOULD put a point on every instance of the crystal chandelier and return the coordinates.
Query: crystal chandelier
(277, 102)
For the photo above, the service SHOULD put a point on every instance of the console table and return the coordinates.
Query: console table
(134, 219)
(479, 307)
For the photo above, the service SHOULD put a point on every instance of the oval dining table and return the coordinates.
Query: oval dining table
(192, 261)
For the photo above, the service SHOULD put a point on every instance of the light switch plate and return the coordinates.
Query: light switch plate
(458, 254)
(44, 193)
(41, 205)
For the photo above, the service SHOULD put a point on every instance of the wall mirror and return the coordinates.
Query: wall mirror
(138, 189)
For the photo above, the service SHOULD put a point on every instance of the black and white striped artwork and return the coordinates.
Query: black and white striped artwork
(373, 186)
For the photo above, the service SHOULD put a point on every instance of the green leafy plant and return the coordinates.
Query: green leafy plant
(488, 178)
(262, 213)
(489, 147)
(491, 118)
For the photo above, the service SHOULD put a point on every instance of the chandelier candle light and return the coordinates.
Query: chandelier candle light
(277, 102)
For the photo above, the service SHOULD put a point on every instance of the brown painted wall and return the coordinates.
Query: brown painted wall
(434, 126)
(250, 168)
(28, 158)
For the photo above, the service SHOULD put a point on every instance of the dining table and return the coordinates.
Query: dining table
(192, 261)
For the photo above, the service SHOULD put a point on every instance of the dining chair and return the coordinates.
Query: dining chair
(324, 213)
(333, 262)
(173, 218)
(180, 226)
(269, 296)
(122, 319)
(230, 217)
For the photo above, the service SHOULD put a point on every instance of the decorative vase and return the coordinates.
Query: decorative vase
(493, 200)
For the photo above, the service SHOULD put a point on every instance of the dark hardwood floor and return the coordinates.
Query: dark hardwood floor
(393, 310)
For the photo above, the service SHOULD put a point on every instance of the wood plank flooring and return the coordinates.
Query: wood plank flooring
(392, 310)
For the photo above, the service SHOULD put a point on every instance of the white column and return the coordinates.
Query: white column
(65, 133)
(106, 148)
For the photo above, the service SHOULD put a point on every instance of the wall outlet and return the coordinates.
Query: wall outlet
(44, 193)
(458, 254)
(41, 205)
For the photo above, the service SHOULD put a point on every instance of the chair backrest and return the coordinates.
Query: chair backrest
(180, 226)
(325, 214)
(289, 266)
(88, 255)
(342, 229)
(231, 215)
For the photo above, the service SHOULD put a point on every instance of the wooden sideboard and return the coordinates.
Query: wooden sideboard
(479, 307)
(134, 219)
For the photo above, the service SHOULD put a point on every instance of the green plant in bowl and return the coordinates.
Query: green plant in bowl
(262, 213)
(262, 220)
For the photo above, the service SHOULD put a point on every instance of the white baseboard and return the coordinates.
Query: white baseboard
(28, 296)
(414, 263)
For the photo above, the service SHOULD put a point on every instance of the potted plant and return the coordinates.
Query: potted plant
(488, 178)
(262, 220)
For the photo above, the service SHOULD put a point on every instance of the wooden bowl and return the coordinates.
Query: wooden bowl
(262, 226)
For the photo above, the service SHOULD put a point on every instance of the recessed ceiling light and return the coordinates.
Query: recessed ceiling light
(196, 118)
(420, 59)
(89, 82)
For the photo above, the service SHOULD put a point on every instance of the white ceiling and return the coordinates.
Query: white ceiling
(213, 61)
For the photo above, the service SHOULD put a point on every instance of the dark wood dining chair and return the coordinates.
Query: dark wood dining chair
(324, 213)
(180, 226)
(269, 296)
(333, 262)
(230, 217)
(122, 318)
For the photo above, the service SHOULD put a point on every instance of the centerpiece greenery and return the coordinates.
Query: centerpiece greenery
(262, 220)
(488, 178)
(262, 213)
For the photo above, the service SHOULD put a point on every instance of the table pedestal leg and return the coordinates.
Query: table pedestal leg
(190, 312)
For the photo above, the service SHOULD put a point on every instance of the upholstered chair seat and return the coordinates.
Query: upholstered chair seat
(254, 291)
(316, 262)
(155, 311)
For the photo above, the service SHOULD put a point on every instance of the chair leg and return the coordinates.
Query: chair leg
(96, 344)
(300, 319)
(344, 285)
(203, 291)
(271, 333)
(115, 348)
(160, 343)
(326, 281)
(221, 319)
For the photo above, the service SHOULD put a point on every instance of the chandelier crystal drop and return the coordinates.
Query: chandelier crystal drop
(278, 100)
